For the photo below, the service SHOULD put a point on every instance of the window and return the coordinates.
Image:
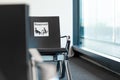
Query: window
(117, 20)
(100, 24)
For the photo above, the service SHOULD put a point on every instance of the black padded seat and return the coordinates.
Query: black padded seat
(52, 50)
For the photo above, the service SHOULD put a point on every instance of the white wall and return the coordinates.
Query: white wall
(61, 8)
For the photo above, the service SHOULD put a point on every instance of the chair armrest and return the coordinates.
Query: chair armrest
(35, 55)
(67, 37)
(67, 41)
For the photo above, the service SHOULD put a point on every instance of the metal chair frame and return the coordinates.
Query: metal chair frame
(61, 59)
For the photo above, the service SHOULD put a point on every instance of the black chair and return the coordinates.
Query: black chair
(13, 62)
(45, 37)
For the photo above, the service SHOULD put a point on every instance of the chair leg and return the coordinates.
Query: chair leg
(61, 67)
(63, 70)
(58, 66)
(30, 70)
(69, 77)
(34, 73)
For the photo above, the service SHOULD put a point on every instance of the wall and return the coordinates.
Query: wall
(61, 8)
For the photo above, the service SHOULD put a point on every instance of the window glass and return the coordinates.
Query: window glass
(89, 18)
(117, 20)
(98, 19)
(100, 23)
(105, 20)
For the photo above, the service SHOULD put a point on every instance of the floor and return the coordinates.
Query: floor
(84, 70)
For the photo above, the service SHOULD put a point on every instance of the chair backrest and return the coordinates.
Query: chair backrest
(44, 32)
(13, 64)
